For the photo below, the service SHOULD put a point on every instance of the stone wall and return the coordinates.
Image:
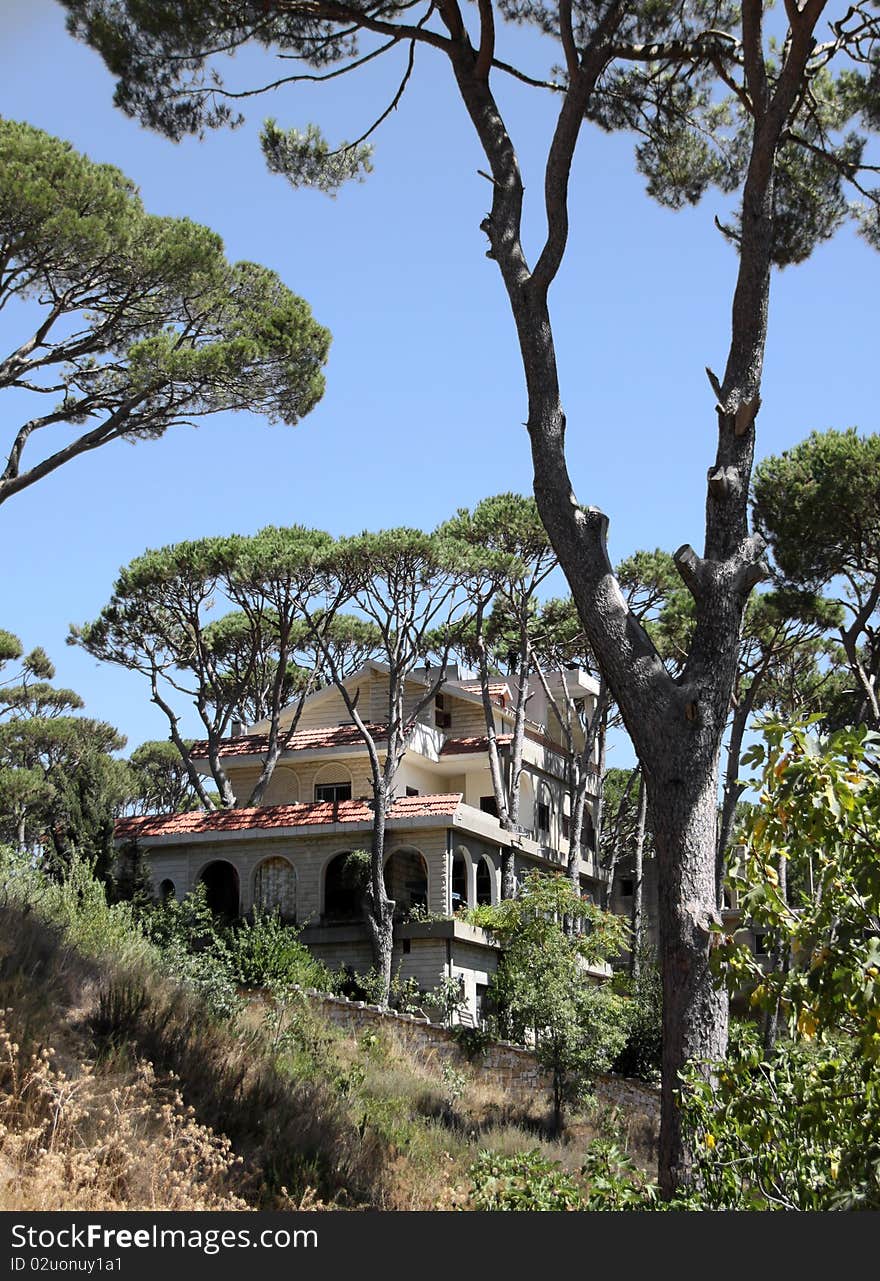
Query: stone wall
(513, 1068)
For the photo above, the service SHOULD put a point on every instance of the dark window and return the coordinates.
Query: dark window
(627, 885)
(459, 883)
(333, 792)
(413, 791)
(166, 890)
(566, 827)
(760, 945)
(442, 714)
(543, 816)
(588, 835)
(489, 805)
(484, 883)
(407, 947)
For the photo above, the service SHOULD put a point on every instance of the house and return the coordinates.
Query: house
(443, 839)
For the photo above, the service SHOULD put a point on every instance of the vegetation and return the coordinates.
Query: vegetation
(131, 1087)
(142, 323)
(541, 985)
(715, 98)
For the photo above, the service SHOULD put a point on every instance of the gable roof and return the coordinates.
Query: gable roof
(267, 817)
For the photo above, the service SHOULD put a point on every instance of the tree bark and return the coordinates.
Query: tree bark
(379, 915)
(638, 864)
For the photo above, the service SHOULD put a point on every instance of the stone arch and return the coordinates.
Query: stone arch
(333, 775)
(485, 882)
(275, 886)
(283, 787)
(406, 878)
(222, 887)
(342, 896)
(461, 878)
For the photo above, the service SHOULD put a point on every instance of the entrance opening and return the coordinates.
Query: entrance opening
(221, 885)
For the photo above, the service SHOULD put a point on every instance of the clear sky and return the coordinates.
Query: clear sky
(425, 400)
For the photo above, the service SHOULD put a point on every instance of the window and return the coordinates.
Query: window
(760, 945)
(489, 805)
(566, 827)
(442, 714)
(543, 810)
(627, 885)
(413, 791)
(484, 883)
(333, 792)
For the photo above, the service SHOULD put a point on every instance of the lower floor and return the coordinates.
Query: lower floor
(432, 874)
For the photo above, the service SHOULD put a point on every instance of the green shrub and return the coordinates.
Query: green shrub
(613, 1181)
(641, 1054)
(523, 1181)
(265, 952)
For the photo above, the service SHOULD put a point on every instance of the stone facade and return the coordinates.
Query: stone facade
(444, 845)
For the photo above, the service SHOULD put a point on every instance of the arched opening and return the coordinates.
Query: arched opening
(343, 893)
(283, 787)
(543, 814)
(166, 890)
(406, 880)
(275, 887)
(333, 783)
(588, 838)
(459, 881)
(221, 888)
(484, 883)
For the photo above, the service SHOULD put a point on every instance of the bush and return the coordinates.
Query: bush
(641, 1055)
(265, 953)
(523, 1181)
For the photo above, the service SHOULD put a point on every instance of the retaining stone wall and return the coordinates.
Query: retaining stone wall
(510, 1066)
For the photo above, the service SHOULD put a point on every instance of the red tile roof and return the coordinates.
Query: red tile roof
(498, 690)
(302, 741)
(266, 817)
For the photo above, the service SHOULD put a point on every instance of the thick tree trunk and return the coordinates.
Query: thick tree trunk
(695, 1011)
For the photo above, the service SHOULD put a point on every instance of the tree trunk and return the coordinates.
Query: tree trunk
(379, 907)
(779, 960)
(676, 725)
(733, 790)
(695, 1011)
(636, 948)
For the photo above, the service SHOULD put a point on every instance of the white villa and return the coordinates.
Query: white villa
(443, 839)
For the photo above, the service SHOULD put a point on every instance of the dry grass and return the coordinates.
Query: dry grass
(118, 1092)
(85, 1143)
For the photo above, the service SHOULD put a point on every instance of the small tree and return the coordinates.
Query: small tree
(504, 555)
(159, 779)
(60, 785)
(818, 505)
(799, 1128)
(400, 583)
(542, 984)
(258, 661)
(142, 324)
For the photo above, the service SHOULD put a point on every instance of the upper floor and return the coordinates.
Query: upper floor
(325, 757)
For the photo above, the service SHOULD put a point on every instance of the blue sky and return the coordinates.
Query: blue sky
(425, 401)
